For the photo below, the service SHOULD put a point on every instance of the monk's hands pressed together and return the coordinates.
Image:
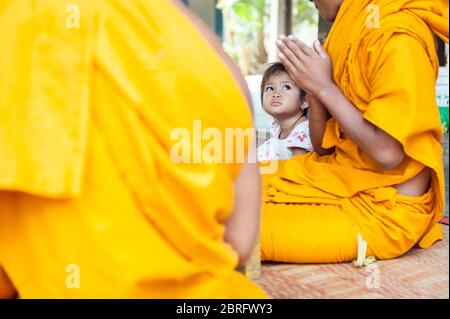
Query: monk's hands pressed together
(310, 68)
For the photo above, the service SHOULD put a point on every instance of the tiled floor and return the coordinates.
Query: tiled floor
(421, 273)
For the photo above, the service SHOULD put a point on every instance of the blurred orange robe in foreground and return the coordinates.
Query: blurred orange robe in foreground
(91, 204)
(314, 207)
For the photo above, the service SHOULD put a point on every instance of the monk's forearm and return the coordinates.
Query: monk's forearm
(242, 226)
(318, 117)
(382, 147)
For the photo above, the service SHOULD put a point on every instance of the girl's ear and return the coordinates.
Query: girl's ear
(304, 105)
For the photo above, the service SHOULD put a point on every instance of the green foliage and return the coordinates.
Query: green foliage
(252, 13)
(304, 10)
(246, 26)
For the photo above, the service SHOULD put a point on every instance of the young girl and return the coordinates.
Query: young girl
(283, 100)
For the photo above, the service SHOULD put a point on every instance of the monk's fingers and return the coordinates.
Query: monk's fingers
(306, 50)
(294, 71)
(320, 50)
(290, 67)
(288, 55)
(295, 49)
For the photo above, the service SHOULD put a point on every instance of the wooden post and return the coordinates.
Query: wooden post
(280, 23)
(441, 52)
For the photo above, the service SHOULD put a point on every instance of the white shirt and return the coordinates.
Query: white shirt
(281, 149)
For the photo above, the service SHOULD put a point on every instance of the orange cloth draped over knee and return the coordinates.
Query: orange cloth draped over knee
(388, 70)
(92, 202)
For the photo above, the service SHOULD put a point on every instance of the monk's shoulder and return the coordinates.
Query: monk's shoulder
(394, 44)
(395, 30)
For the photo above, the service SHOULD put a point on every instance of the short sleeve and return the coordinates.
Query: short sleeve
(299, 137)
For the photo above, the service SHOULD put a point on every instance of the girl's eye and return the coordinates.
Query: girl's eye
(269, 89)
(286, 87)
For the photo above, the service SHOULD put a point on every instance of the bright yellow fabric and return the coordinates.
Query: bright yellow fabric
(85, 122)
(388, 73)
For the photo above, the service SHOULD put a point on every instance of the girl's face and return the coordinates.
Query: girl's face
(281, 97)
(328, 9)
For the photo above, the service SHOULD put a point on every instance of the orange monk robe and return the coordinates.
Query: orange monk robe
(91, 204)
(314, 207)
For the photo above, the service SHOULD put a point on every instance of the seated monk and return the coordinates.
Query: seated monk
(377, 169)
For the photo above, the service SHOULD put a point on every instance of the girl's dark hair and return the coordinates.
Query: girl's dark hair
(276, 68)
